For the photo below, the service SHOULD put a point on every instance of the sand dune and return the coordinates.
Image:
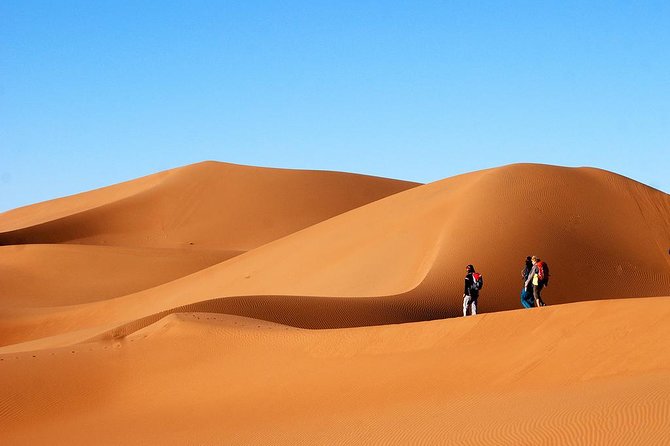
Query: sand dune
(401, 259)
(54, 275)
(208, 205)
(584, 373)
(191, 296)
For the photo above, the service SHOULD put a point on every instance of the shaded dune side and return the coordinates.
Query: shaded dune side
(308, 312)
(402, 258)
(207, 205)
(589, 373)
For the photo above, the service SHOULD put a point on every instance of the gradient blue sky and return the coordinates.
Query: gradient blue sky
(97, 92)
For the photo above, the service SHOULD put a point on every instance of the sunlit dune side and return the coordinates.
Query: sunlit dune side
(66, 274)
(593, 373)
(208, 205)
(402, 258)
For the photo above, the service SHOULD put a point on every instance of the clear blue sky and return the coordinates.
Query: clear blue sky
(97, 92)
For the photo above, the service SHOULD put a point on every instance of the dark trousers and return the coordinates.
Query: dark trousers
(537, 293)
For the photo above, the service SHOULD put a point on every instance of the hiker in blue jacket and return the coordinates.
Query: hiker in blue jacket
(473, 283)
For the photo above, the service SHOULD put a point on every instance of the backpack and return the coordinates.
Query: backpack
(477, 282)
(543, 272)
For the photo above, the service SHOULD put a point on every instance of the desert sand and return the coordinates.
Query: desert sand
(227, 304)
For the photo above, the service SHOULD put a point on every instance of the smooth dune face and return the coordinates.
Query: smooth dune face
(208, 282)
(207, 205)
(65, 274)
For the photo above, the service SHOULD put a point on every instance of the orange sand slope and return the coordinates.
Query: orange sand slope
(592, 373)
(49, 275)
(238, 261)
(401, 258)
(211, 205)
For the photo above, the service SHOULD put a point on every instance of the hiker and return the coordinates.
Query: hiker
(538, 278)
(527, 299)
(473, 283)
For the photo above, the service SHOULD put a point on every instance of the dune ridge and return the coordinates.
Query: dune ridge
(233, 289)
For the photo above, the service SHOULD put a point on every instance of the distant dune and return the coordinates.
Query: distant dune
(210, 205)
(189, 306)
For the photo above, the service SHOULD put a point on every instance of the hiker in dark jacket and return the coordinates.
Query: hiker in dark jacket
(536, 282)
(470, 290)
(527, 295)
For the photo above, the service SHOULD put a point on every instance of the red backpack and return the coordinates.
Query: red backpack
(477, 281)
(543, 272)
